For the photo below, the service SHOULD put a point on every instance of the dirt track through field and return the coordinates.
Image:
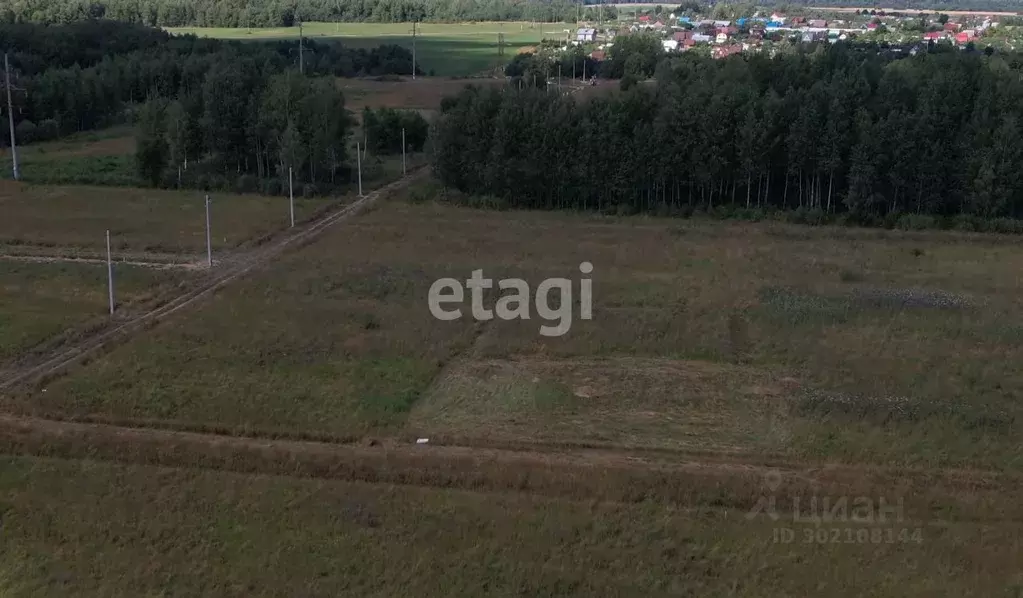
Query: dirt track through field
(38, 259)
(584, 474)
(229, 271)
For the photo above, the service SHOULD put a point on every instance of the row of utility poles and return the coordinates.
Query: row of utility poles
(209, 223)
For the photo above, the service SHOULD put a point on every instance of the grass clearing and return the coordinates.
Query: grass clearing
(85, 528)
(74, 219)
(44, 303)
(703, 335)
(443, 49)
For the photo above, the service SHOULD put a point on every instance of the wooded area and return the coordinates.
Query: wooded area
(85, 75)
(284, 13)
(826, 131)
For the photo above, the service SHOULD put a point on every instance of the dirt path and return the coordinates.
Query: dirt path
(932, 496)
(41, 259)
(228, 271)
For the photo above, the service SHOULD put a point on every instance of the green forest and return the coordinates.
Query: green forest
(284, 13)
(209, 113)
(838, 132)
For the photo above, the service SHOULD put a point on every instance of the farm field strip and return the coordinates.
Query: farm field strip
(230, 271)
(42, 259)
(228, 534)
(929, 496)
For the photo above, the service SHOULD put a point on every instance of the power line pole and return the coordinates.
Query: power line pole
(301, 49)
(291, 195)
(358, 158)
(110, 276)
(209, 237)
(413, 50)
(404, 170)
(10, 117)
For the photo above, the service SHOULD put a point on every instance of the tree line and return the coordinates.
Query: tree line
(83, 76)
(284, 13)
(828, 131)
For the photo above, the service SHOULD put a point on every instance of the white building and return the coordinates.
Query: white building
(586, 35)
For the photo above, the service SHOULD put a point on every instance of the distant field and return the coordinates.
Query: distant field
(458, 49)
(818, 344)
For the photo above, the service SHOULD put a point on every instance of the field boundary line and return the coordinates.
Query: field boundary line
(934, 497)
(41, 259)
(232, 270)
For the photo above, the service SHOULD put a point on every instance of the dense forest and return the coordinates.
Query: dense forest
(85, 75)
(826, 131)
(283, 13)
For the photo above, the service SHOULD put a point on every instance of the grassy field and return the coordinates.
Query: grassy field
(458, 49)
(90, 529)
(816, 344)
(48, 302)
(73, 220)
(620, 459)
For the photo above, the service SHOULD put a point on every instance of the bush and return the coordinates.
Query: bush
(310, 190)
(916, 222)
(48, 130)
(246, 183)
(26, 132)
(272, 186)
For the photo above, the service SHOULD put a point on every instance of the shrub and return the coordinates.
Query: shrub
(246, 183)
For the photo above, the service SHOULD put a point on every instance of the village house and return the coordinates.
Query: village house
(586, 35)
(818, 24)
(727, 50)
(965, 37)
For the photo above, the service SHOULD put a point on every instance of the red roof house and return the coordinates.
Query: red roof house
(933, 35)
(966, 37)
(952, 26)
(644, 19)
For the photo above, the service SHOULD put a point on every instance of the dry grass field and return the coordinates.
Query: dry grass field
(823, 344)
(81, 528)
(265, 437)
(73, 220)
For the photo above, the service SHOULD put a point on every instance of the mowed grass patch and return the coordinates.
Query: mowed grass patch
(82, 528)
(75, 219)
(444, 49)
(928, 318)
(43, 302)
(607, 402)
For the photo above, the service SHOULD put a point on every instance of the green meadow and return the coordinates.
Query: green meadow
(446, 49)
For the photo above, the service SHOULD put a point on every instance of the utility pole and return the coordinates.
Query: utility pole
(301, 51)
(291, 195)
(404, 170)
(110, 276)
(413, 50)
(10, 117)
(209, 237)
(358, 158)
